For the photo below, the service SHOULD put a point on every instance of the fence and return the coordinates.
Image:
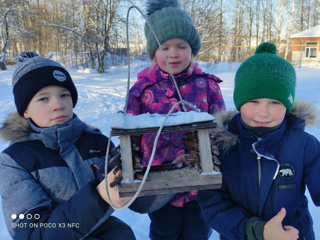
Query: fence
(228, 54)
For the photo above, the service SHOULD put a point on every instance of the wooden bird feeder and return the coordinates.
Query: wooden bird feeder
(185, 179)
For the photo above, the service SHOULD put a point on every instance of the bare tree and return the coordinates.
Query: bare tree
(99, 17)
(220, 36)
(257, 21)
(300, 16)
(315, 13)
(251, 18)
(236, 19)
(289, 30)
(10, 27)
(5, 37)
(282, 4)
(207, 16)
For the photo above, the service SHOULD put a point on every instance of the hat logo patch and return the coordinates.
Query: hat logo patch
(60, 76)
(287, 171)
(290, 98)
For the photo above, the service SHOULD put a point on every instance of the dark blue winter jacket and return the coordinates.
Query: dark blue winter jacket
(260, 176)
(49, 178)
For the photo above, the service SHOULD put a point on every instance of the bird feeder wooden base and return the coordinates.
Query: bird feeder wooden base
(171, 184)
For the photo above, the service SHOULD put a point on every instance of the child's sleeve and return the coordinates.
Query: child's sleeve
(44, 219)
(134, 105)
(254, 228)
(215, 98)
(312, 169)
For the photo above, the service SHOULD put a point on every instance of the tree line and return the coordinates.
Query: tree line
(87, 32)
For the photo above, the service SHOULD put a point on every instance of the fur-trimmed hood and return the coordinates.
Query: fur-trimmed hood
(224, 139)
(17, 129)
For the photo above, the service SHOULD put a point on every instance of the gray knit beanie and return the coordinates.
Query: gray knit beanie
(169, 21)
(34, 73)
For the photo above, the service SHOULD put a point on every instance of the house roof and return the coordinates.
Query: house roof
(311, 32)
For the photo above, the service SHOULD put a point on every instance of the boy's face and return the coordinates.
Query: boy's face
(263, 112)
(51, 105)
(178, 53)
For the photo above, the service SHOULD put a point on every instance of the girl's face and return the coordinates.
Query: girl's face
(51, 105)
(178, 53)
(263, 112)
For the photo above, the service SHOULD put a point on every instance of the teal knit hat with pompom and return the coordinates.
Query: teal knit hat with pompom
(168, 21)
(265, 75)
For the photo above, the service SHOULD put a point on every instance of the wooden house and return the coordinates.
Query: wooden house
(306, 46)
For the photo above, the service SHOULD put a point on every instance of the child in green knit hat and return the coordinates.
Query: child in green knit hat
(267, 159)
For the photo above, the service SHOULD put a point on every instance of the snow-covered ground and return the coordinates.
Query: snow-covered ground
(102, 95)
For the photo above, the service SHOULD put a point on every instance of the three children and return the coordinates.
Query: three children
(54, 165)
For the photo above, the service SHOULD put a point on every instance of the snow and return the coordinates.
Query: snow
(147, 120)
(101, 96)
(311, 32)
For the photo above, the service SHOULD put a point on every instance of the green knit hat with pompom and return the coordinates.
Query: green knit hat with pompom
(265, 75)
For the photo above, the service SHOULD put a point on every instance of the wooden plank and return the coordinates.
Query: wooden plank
(126, 156)
(172, 185)
(205, 151)
(184, 127)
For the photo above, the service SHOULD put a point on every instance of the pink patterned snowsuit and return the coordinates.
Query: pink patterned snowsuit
(154, 92)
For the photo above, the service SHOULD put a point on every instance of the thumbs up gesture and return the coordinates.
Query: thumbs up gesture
(273, 229)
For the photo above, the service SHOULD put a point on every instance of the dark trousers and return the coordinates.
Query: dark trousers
(113, 229)
(179, 223)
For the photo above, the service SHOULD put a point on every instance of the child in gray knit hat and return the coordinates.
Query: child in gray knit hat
(52, 174)
(155, 93)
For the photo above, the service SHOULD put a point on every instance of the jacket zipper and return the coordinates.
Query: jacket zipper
(259, 166)
(259, 169)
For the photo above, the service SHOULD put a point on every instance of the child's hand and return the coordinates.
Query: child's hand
(114, 166)
(182, 158)
(273, 229)
(113, 191)
(114, 177)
